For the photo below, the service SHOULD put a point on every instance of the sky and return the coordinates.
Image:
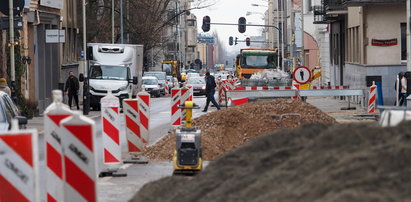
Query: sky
(228, 11)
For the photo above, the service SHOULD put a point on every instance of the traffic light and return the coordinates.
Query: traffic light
(206, 23)
(241, 24)
(235, 43)
(247, 41)
(230, 41)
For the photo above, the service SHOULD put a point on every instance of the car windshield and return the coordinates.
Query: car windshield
(196, 81)
(109, 72)
(259, 61)
(150, 82)
(159, 75)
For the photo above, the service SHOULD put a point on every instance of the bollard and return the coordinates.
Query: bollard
(144, 113)
(372, 96)
(134, 140)
(19, 165)
(111, 134)
(54, 114)
(175, 111)
(167, 89)
(80, 159)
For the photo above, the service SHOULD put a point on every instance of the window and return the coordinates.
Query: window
(403, 41)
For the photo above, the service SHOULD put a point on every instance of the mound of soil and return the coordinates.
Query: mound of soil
(316, 162)
(226, 129)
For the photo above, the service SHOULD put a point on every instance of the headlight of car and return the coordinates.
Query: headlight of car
(203, 87)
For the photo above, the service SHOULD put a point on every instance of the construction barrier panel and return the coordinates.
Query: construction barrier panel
(175, 111)
(80, 159)
(191, 92)
(132, 120)
(372, 97)
(144, 113)
(110, 120)
(296, 86)
(185, 96)
(19, 165)
(54, 114)
(167, 88)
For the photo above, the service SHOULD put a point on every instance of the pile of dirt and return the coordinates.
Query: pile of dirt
(316, 162)
(224, 130)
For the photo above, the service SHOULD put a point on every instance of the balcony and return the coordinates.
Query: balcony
(328, 11)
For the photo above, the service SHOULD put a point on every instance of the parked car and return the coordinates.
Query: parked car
(8, 112)
(199, 85)
(161, 76)
(151, 85)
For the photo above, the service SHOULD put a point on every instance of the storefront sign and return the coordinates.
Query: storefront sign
(59, 4)
(384, 42)
(55, 36)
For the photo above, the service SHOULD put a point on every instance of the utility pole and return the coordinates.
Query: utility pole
(84, 38)
(121, 22)
(408, 35)
(112, 22)
(278, 32)
(12, 59)
(302, 34)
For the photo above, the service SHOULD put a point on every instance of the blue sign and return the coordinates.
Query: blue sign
(82, 54)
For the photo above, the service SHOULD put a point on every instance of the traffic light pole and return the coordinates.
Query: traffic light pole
(217, 23)
(12, 58)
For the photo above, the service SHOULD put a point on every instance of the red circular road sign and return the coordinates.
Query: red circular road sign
(302, 75)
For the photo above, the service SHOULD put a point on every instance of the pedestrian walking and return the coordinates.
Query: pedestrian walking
(403, 89)
(210, 91)
(72, 89)
(4, 87)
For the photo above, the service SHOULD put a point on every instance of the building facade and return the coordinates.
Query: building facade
(368, 42)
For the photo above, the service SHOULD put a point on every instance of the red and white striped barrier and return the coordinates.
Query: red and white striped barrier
(132, 120)
(191, 92)
(185, 96)
(221, 91)
(167, 88)
(175, 111)
(54, 114)
(19, 168)
(296, 86)
(248, 88)
(80, 160)
(144, 113)
(372, 99)
(110, 120)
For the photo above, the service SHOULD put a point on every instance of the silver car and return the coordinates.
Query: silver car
(8, 112)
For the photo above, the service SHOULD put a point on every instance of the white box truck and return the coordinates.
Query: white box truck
(118, 67)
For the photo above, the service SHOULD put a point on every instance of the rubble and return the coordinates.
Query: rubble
(316, 162)
(224, 130)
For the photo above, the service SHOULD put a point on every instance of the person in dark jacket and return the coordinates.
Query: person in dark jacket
(210, 91)
(72, 89)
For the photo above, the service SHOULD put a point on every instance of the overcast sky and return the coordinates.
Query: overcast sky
(228, 11)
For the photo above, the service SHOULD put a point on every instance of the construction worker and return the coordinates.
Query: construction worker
(4, 87)
(72, 89)
(210, 91)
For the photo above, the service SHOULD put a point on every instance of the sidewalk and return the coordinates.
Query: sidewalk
(38, 123)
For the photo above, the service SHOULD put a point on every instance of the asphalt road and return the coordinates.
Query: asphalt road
(123, 188)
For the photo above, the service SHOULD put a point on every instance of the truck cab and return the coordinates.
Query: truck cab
(115, 67)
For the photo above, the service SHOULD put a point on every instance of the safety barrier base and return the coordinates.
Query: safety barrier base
(113, 172)
(136, 160)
